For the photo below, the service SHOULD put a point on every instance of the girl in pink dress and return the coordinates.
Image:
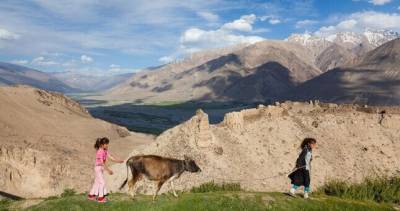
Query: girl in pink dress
(99, 190)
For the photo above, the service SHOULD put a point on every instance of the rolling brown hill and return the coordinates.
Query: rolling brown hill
(46, 142)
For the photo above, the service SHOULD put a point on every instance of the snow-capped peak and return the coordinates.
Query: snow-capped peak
(349, 37)
(378, 37)
(373, 38)
(305, 39)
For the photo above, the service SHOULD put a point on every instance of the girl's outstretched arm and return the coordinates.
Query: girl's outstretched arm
(115, 159)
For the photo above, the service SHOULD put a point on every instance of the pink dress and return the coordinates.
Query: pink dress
(99, 186)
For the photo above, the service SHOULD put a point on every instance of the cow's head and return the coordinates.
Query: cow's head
(190, 165)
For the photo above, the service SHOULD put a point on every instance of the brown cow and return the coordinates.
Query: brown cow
(156, 168)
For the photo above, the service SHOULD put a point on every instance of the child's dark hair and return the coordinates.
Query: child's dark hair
(307, 142)
(101, 141)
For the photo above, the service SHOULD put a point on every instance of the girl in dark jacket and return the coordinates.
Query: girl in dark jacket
(301, 175)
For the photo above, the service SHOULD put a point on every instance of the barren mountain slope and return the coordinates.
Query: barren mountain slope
(133, 88)
(46, 142)
(258, 147)
(332, 57)
(252, 73)
(374, 80)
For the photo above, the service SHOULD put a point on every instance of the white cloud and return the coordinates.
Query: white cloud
(195, 39)
(379, 2)
(130, 26)
(347, 25)
(166, 59)
(138, 27)
(20, 62)
(7, 35)
(208, 16)
(357, 22)
(86, 59)
(305, 23)
(245, 23)
(41, 61)
(271, 19)
(274, 21)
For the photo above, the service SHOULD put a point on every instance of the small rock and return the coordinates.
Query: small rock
(314, 124)
(218, 150)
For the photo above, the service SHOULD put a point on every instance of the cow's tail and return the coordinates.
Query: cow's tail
(127, 175)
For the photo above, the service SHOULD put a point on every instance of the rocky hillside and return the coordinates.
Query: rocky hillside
(11, 74)
(257, 72)
(258, 147)
(333, 56)
(374, 79)
(46, 142)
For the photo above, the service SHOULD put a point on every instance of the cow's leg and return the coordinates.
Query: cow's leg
(159, 185)
(132, 182)
(171, 182)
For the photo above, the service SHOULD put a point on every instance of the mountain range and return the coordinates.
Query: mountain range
(11, 74)
(266, 71)
(90, 82)
(373, 79)
(64, 82)
(343, 67)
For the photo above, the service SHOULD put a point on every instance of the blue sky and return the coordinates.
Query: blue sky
(110, 37)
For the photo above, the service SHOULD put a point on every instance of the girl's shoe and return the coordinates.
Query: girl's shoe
(292, 192)
(92, 197)
(305, 195)
(102, 200)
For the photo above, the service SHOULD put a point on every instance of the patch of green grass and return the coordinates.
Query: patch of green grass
(376, 189)
(237, 200)
(4, 204)
(164, 202)
(68, 192)
(325, 203)
(149, 130)
(213, 187)
(51, 198)
(192, 105)
(166, 103)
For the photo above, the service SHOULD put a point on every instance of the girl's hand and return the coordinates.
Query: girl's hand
(110, 172)
(121, 161)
